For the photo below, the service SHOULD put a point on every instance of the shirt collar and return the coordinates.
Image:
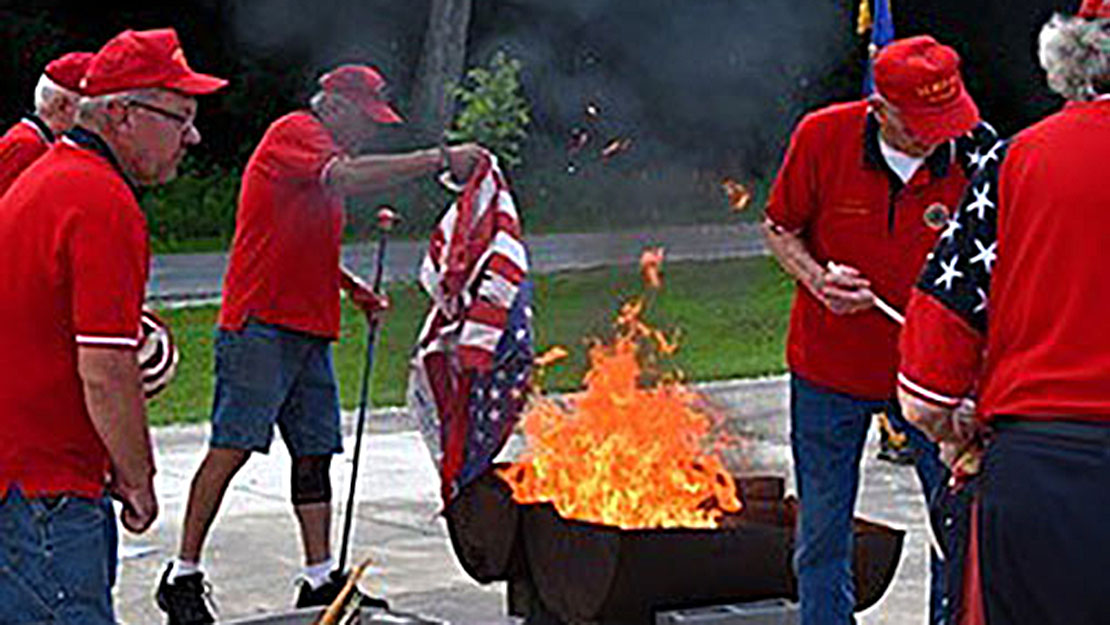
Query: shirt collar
(89, 140)
(35, 122)
(939, 162)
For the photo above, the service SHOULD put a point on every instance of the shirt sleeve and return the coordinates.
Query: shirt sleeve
(793, 199)
(946, 324)
(16, 155)
(299, 152)
(108, 259)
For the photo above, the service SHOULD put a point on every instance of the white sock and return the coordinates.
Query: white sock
(317, 574)
(183, 567)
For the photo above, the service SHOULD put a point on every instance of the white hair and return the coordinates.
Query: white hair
(46, 91)
(1075, 53)
(89, 107)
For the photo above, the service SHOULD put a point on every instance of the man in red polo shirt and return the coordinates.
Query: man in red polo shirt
(55, 106)
(859, 201)
(75, 256)
(1013, 305)
(280, 315)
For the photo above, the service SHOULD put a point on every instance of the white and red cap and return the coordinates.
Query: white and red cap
(364, 86)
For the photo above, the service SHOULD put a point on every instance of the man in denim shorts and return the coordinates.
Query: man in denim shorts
(75, 253)
(281, 313)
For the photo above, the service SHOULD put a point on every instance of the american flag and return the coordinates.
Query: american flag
(472, 363)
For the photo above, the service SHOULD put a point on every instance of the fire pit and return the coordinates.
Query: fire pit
(568, 571)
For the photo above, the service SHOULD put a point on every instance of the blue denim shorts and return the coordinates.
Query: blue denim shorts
(57, 560)
(266, 374)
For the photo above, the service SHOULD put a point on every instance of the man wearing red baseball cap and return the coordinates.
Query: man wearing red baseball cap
(865, 189)
(1013, 307)
(75, 258)
(280, 314)
(55, 106)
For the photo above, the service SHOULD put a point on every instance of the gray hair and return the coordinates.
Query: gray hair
(1075, 52)
(47, 92)
(91, 108)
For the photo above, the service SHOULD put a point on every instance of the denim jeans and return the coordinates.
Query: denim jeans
(827, 435)
(57, 560)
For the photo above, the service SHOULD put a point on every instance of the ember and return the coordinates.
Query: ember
(650, 262)
(615, 147)
(625, 454)
(738, 196)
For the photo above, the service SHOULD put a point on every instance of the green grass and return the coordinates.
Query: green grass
(731, 315)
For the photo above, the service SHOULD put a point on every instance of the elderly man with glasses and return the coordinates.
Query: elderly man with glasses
(75, 257)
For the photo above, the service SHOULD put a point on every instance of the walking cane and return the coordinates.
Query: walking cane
(386, 219)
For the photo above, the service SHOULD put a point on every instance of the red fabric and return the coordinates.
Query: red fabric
(973, 611)
(67, 70)
(941, 354)
(22, 145)
(840, 204)
(1048, 347)
(145, 59)
(75, 266)
(1094, 9)
(921, 78)
(365, 87)
(284, 262)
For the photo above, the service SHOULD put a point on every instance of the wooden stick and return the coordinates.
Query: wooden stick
(335, 610)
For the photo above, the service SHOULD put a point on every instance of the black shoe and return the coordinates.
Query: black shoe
(185, 599)
(308, 597)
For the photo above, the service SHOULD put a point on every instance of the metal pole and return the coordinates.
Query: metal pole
(385, 219)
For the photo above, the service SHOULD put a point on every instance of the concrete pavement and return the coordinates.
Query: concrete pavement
(253, 554)
(200, 276)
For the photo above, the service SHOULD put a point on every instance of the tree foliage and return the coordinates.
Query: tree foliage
(493, 110)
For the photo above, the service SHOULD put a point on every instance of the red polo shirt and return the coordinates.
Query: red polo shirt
(836, 190)
(284, 265)
(21, 146)
(73, 244)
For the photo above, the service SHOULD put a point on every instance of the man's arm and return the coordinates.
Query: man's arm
(844, 291)
(114, 399)
(375, 172)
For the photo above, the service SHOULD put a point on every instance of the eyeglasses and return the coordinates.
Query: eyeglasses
(186, 123)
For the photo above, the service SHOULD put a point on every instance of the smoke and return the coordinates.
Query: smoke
(709, 81)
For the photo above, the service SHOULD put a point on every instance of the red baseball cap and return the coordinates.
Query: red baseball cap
(921, 78)
(67, 70)
(145, 59)
(1094, 9)
(364, 86)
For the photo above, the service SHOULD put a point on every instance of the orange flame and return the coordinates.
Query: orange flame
(738, 196)
(650, 262)
(551, 356)
(621, 453)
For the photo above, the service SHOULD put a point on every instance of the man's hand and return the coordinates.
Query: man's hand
(140, 506)
(844, 290)
(463, 159)
(373, 305)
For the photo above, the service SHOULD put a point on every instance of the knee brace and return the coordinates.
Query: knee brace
(311, 480)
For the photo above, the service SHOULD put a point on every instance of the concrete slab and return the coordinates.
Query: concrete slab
(253, 556)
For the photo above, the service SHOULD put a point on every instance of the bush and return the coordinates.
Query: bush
(195, 212)
(493, 110)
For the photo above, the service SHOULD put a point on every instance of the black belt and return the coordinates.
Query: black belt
(1090, 431)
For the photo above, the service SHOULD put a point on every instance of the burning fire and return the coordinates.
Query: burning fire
(623, 453)
(738, 196)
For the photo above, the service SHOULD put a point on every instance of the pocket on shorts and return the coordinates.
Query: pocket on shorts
(250, 357)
